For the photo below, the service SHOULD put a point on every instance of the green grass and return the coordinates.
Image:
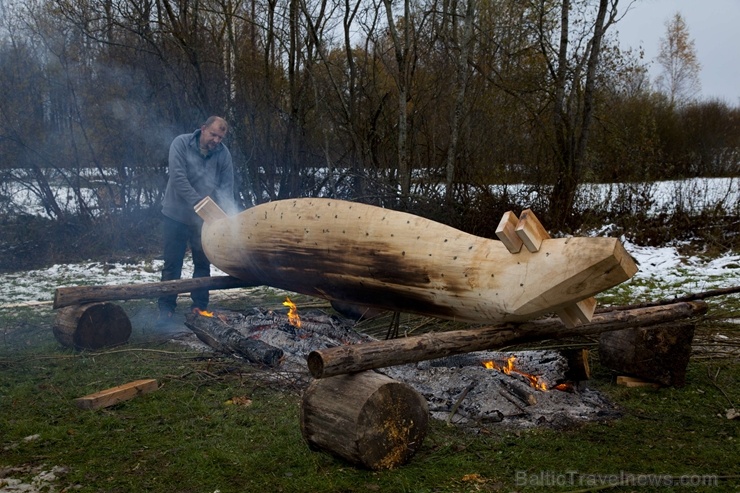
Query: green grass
(189, 436)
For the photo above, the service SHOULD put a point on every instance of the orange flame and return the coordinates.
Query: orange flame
(203, 312)
(293, 317)
(508, 369)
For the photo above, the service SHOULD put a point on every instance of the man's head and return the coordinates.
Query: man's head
(212, 133)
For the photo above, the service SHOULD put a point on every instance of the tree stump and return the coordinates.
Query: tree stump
(366, 418)
(657, 354)
(91, 326)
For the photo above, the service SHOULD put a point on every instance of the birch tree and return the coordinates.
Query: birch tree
(679, 79)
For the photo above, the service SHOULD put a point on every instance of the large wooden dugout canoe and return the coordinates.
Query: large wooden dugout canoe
(357, 253)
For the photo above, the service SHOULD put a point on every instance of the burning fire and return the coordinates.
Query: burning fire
(293, 317)
(203, 312)
(508, 369)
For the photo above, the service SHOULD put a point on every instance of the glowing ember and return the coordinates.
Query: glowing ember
(293, 317)
(202, 313)
(508, 369)
(564, 387)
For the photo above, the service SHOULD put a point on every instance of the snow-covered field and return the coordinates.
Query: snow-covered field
(663, 273)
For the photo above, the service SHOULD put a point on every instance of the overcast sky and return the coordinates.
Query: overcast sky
(714, 25)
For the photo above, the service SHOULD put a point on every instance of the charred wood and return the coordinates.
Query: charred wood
(579, 368)
(223, 338)
(658, 355)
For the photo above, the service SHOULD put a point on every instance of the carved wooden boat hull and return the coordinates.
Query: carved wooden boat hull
(371, 256)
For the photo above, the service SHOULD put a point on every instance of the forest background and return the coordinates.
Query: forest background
(456, 110)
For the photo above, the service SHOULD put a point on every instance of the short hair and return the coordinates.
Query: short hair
(216, 119)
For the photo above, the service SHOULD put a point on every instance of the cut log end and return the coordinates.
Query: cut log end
(315, 364)
(367, 419)
(92, 326)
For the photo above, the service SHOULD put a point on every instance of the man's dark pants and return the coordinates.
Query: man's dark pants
(177, 237)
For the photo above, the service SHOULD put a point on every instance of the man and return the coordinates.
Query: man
(199, 165)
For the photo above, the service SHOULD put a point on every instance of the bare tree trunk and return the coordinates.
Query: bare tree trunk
(573, 113)
(402, 48)
(462, 85)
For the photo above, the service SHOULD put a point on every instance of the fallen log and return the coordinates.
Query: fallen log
(368, 419)
(92, 326)
(385, 259)
(379, 354)
(75, 295)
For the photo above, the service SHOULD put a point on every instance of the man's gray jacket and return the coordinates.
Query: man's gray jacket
(192, 177)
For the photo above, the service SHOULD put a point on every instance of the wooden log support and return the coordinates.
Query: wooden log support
(655, 354)
(92, 326)
(367, 419)
(75, 295)
(380, 354)
(112, 396)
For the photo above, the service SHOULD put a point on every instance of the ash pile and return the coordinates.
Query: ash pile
(518, 389)
(515, 389)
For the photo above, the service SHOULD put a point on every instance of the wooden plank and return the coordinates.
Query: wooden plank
(506, 232)
(112, 396)
(530, 230)
(578, 313)
(209, 209)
